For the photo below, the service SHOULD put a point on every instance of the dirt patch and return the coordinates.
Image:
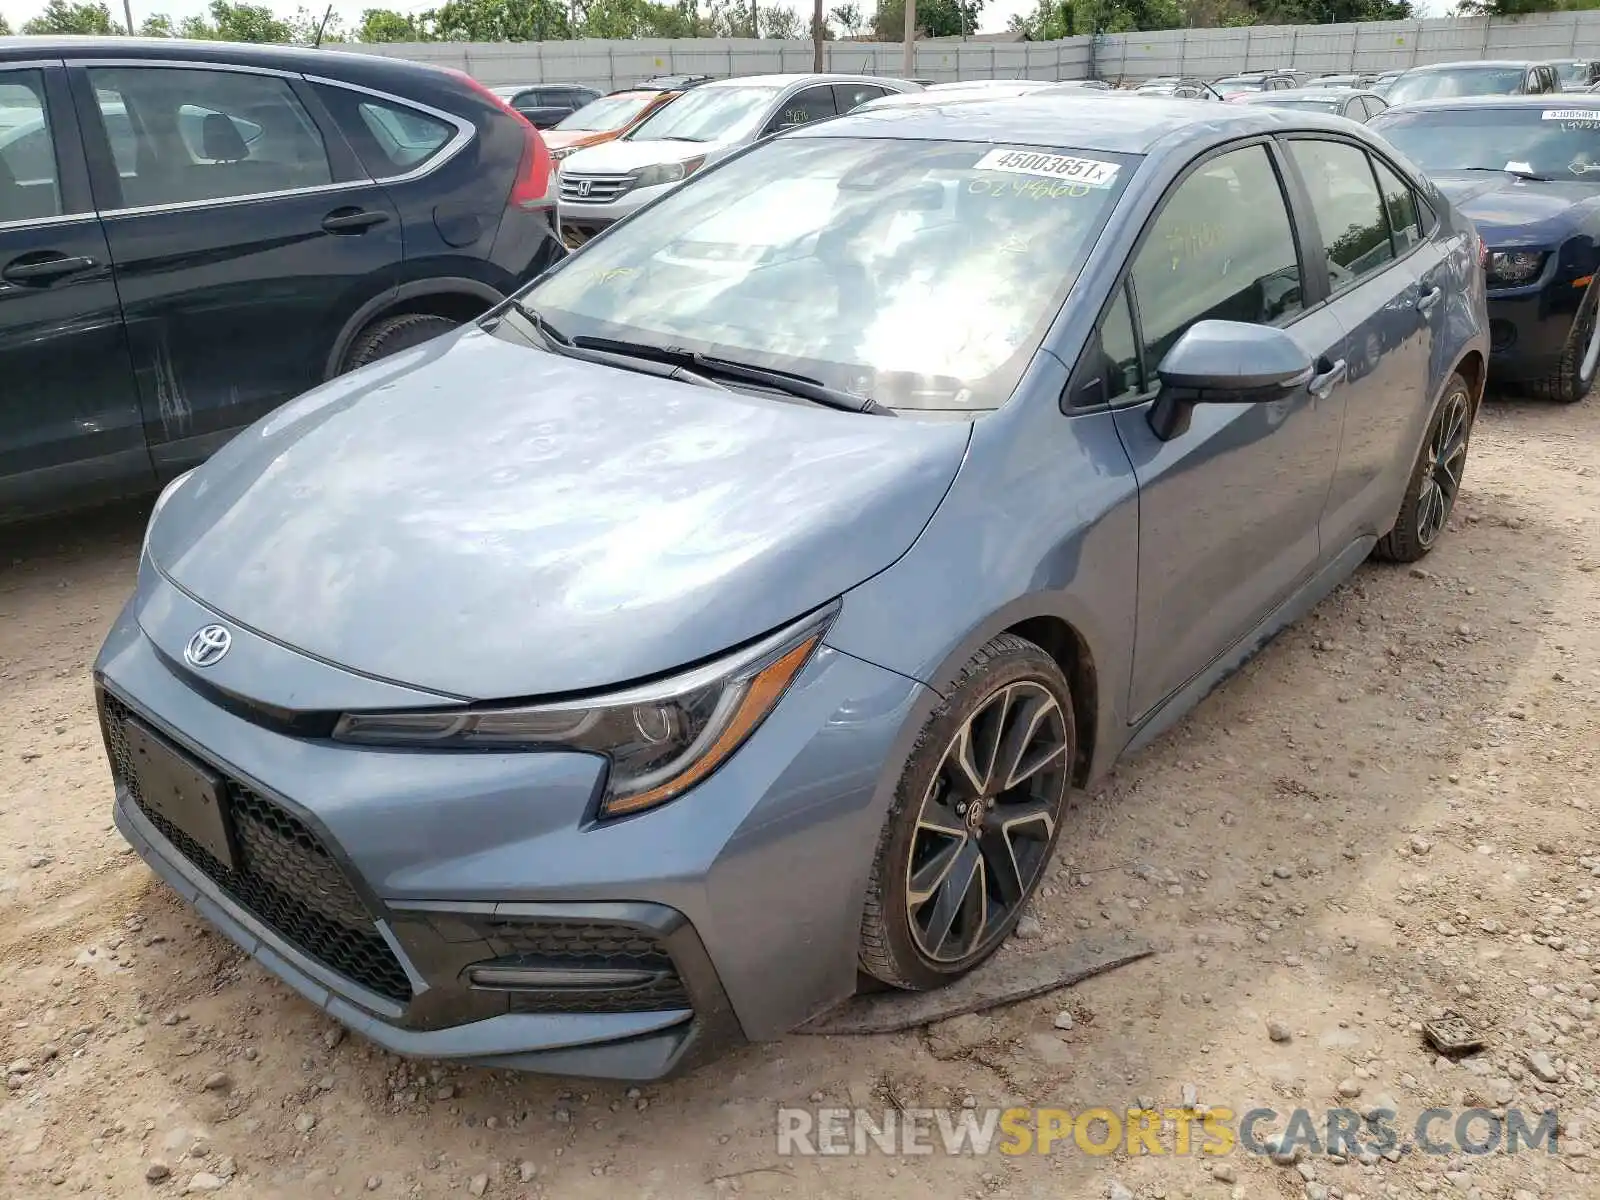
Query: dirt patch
(1389, 814)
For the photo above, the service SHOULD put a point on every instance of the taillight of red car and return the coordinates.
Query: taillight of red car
(531, 190)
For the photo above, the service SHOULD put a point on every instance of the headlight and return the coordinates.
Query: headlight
(562, 152)
(661, 738)
(1507, 268)
(665, 172)
(161, 501)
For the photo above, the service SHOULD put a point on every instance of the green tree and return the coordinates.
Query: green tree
(935, 18)
(849, 18)
(386, 25)
(306, 28)
(501, 21)
(5, 26)
(621, 19)
(238, 23)
(783, 24)
(157, 25)
(60, 17)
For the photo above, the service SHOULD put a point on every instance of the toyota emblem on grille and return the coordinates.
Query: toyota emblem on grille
(583, 187)
(208, 646)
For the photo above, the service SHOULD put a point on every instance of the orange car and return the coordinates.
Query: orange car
(604, 120)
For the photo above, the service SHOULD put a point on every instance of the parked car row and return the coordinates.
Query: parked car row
(605, 183)
(583, 692)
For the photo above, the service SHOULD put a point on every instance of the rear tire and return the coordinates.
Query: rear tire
(390, 335)
(1435, 479)
(974, 821)
(1567, 384)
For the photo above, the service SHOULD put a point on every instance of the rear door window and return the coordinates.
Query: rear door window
(389, 137)
(849, 95)
(202, 134)
(813, 104)
(1400, 202)
(407, 137)
(1344, 197)
(29, 185)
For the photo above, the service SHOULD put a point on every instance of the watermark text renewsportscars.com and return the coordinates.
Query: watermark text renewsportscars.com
(1171, 1131)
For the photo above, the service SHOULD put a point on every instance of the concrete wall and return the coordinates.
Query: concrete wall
(1381, 45)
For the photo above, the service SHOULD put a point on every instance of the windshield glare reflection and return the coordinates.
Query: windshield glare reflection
(900, 270)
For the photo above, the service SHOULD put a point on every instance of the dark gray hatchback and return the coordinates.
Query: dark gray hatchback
(192, 233)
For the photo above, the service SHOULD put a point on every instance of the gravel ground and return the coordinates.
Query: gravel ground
(1390, 813)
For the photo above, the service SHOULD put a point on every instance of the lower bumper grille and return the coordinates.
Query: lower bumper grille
(579, 946)
(286, 877)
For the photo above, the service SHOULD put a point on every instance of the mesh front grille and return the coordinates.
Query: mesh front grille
(593, 945)
(286, 878)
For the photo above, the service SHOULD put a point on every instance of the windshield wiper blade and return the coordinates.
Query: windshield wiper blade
(788, 382)
(1510, 171)
(561, 344)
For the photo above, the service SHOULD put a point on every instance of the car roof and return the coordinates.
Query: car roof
(1110, 122)
(797, 78)
(1305, 93)
(1479, 64)
(1547, 100)
(372, 69)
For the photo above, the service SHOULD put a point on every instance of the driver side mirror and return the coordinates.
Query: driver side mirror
(1226, 362)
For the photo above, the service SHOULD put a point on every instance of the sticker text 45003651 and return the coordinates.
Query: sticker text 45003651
(1091, 172)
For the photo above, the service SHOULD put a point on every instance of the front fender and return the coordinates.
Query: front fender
(1041, 522)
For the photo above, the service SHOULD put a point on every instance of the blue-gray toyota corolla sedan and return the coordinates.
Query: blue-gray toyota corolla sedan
(732, 611)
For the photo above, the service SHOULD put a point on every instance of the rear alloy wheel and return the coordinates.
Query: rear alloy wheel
(1435, 480)
(1573, 377)
(390, 335)
(974, 822)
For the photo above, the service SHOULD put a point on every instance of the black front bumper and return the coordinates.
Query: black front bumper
(1528, 329)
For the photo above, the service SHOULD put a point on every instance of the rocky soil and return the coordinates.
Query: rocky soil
(1390, 814)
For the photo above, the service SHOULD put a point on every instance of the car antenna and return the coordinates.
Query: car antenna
(322, 25)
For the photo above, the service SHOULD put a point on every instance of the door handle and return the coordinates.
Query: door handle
(1428, 299)
(36, 269)
(352, 220)
(1324, 383)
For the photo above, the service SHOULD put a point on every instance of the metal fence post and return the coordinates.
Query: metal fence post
(1246, 66)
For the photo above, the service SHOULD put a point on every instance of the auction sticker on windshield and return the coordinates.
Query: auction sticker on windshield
(1572, 114)
(1091, 172)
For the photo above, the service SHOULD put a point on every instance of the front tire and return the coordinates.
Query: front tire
(974, 820)
(1574, 374)
(1435, 479)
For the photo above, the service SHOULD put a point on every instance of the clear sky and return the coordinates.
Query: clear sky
(996, 13)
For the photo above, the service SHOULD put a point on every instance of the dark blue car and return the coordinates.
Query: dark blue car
(1526, 170)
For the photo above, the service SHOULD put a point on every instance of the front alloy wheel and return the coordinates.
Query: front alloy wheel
(975, 819)
(1445, 460)
(1435, 479)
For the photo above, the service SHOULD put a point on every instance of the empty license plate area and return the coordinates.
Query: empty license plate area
(183, 791)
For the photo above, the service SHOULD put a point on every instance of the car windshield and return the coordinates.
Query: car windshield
(1232, 87)
(605, 114)
(1457, 81)
(1551, 140)
(920, 273)
(1573, 72)
(708, 114)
